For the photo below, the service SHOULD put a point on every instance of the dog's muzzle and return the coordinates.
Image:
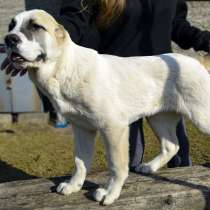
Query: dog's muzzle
(12, 40)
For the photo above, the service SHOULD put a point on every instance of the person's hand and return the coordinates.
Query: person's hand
(8, 66)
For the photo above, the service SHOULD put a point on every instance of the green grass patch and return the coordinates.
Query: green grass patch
(42, 151)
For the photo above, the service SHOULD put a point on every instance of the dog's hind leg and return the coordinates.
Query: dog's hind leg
(116, 143)
(195, 96)
(164, 126)
(84, 143)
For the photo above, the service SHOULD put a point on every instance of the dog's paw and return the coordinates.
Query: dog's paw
(144, 168)
(66, 188)
(110, 198)
(100, 194)
(104, 196)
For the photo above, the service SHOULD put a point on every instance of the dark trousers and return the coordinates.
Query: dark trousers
(136, 148)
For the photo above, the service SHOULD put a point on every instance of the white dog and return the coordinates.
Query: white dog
(101, 92)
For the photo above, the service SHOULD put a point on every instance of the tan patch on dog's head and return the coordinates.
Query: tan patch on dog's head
(56, 30)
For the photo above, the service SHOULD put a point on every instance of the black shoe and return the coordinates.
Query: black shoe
(132, 169)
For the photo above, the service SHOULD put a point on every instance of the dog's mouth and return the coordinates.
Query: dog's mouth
(19, 59)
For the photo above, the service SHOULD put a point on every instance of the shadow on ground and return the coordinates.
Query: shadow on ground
(207, 165)
(9, 173)
(89, 186)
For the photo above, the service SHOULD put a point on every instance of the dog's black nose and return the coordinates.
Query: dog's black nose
(12, 40)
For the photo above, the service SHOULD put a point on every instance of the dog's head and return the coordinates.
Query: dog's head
(34, 37)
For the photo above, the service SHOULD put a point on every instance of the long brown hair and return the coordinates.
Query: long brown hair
(108, 10)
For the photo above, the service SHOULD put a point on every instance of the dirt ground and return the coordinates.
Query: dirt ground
(28, 151)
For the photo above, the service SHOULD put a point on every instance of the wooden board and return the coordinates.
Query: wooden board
(177, 189)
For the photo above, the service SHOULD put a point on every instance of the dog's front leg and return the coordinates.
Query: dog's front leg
(84, 143)
(116, 143)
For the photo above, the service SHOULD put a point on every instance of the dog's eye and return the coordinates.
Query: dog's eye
(12, 25)
(36, 27)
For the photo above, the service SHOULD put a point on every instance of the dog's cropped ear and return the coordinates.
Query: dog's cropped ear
(60, 32)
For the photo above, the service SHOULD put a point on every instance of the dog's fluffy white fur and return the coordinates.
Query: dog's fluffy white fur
(107, 93)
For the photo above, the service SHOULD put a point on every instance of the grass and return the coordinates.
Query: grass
(42, 151)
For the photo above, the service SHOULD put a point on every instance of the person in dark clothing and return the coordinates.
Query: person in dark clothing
(135, 28)
(145, 27)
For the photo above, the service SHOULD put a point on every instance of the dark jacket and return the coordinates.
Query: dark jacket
(146, 27)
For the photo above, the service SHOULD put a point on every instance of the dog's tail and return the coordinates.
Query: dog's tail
(205, 61)
(198, 101)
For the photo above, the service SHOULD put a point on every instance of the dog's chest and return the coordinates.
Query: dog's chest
(75, 113)
(73, 109)
(66, 102)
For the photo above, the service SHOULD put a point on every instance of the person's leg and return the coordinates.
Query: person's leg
(58, 120)
(136, 144)
(47, 106)
(182, 158)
